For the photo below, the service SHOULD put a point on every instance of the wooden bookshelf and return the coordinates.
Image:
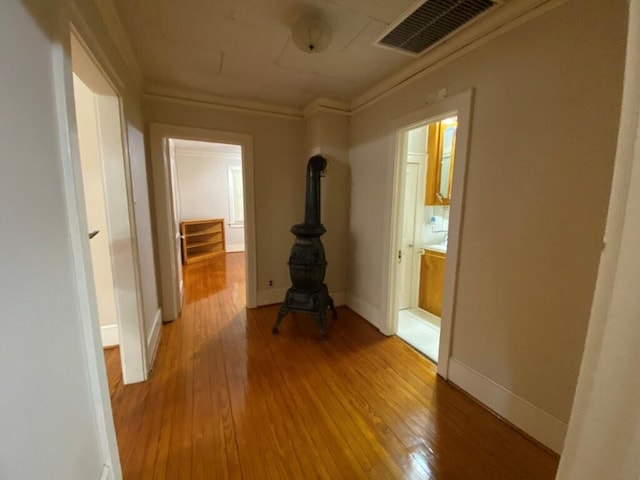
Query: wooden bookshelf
(202, 239)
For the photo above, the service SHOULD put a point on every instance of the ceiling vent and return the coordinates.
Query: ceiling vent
(430, 22)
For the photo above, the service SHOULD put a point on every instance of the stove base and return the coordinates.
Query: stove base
(315, 303)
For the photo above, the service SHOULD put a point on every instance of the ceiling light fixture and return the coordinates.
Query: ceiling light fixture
(311, 34)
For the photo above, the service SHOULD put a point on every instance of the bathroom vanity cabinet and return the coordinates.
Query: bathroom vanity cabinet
(432, 282)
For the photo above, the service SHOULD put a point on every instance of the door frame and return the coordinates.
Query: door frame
(460, 105)
(161, 174)
(129, 307)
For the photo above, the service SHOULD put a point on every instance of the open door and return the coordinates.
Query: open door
(408, 254)
(170, 152)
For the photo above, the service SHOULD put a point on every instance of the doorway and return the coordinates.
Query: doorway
(428, 153)
(208, 199)
(425, 227)
(107, 207)
(163, 140)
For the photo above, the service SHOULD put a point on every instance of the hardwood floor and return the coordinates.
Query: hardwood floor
(227, 399)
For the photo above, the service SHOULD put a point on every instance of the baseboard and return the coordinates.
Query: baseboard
(276, 295)
(364, 309)
(106, 473)
(234, 247)
(153, 339)
(339, 297)
(271, 296)
(110, 335)
(532, 420)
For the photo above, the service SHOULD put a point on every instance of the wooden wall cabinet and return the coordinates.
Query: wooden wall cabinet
(441, 145)
(432, 282)
(202, 239)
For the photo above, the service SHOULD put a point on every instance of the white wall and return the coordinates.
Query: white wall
(203, 188)
(279, 177)
(543, 130)
(49, 427)
(603, 440)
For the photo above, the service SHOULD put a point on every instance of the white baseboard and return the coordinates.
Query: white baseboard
(271, 296)
(110, 335)
(153, 339)
(276, 295)
(532, 420)
(364, 309)
(106, 473)
(234, 247)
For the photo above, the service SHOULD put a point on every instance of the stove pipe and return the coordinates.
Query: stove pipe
(312, 225)
(316, 166)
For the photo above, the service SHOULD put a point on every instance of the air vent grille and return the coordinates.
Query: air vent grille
(431, 22)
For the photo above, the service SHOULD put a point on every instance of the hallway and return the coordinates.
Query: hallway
(227, 399)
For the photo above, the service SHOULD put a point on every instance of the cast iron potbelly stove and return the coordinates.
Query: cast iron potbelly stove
(307, 263)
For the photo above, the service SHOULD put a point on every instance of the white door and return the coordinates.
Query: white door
(177, 215)
(408, 248)
(171, 291)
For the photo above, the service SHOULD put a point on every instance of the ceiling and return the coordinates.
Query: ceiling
(243, 48)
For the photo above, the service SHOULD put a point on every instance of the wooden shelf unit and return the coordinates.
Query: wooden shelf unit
(202, 239)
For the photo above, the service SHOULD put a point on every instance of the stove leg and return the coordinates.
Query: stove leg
(333, 308)
(322, 323)
(276, 328)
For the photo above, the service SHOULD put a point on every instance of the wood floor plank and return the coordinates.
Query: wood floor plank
(227, 399)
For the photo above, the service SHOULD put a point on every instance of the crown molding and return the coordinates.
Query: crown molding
(505, 18)
(255, 107)
(327, 105)
(91, 46)
(120, 38)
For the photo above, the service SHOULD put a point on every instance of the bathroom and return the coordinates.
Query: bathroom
(428, 151)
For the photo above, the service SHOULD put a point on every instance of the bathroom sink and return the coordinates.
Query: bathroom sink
(437, 247)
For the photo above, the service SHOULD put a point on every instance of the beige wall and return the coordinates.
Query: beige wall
(92, 179)
(544, 122)
(279, 176)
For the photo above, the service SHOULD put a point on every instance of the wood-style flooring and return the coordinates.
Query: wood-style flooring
(227, 399)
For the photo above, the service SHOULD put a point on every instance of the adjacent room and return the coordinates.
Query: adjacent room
(209, 197)
(428, 158)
